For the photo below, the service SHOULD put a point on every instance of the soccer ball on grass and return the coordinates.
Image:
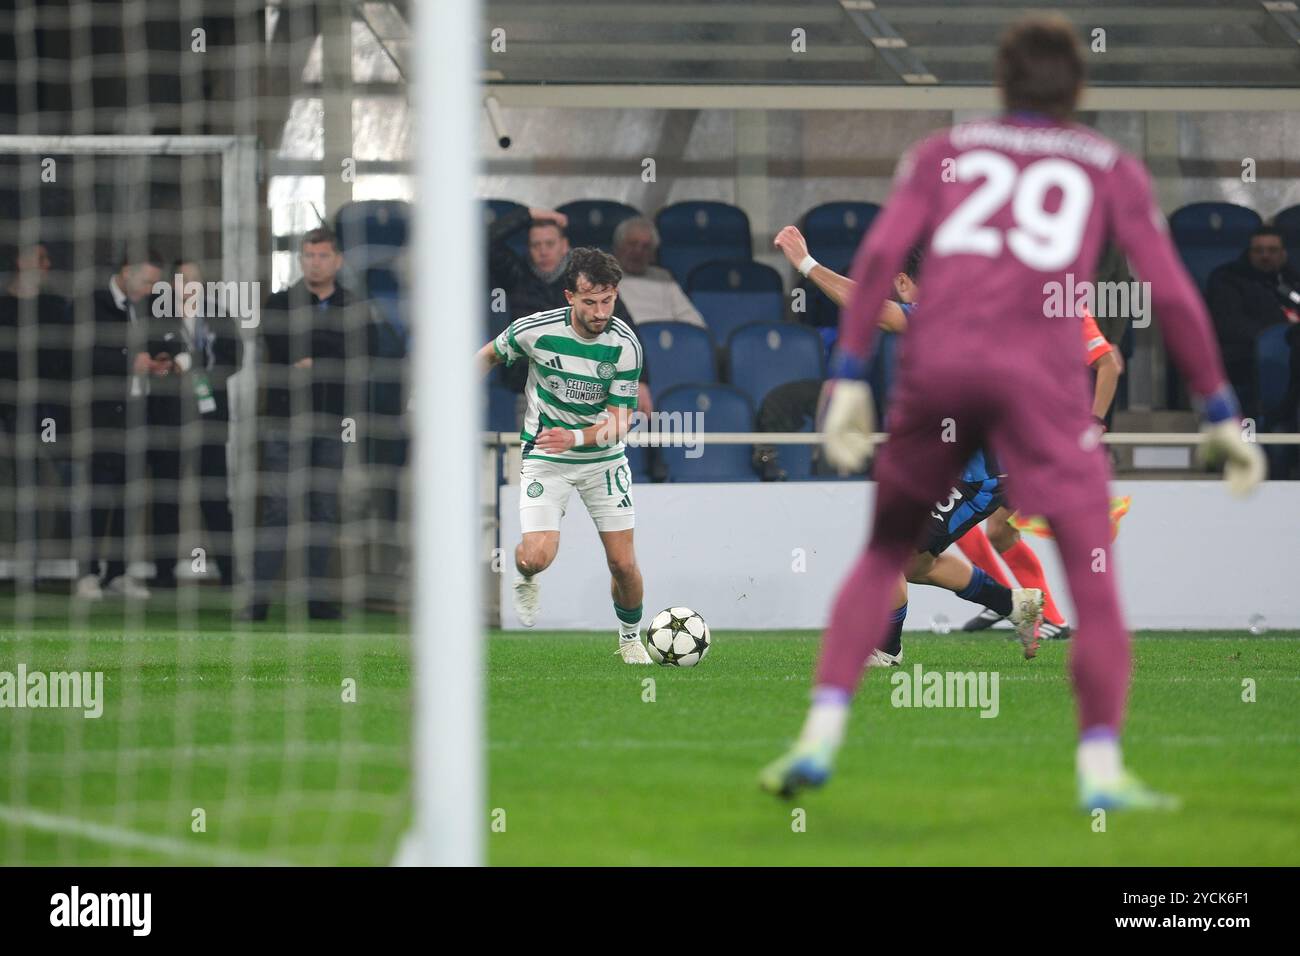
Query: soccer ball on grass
(678, 637)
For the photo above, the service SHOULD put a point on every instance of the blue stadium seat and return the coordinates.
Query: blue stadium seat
(732, 293)
(492, 208)
(1273, 364)
(763, 355)
(835, 229)
(502, 415)
(1288, 220)
(382, 280)
(1208, 234)
(677, 354)
(638, 459)
(695, 232)
(797, 460)
(372, 232)
(725, 409)
(1272, 379)
(494, 323)
(592, 221)
(391, 310)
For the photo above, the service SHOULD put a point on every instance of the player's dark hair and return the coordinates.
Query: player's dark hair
(1040, 66)
(1267, 231)
(600, 268)
(321, 234)
(547, 224)
(912, 264)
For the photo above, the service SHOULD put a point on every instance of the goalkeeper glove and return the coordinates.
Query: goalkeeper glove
(848, 415)
(1243, 463)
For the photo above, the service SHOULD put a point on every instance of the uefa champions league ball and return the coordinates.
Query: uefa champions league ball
(678, 637)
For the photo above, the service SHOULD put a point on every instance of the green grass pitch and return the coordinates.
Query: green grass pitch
(249, 725)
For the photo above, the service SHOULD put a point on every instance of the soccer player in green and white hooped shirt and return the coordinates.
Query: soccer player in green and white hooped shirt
(583, 369)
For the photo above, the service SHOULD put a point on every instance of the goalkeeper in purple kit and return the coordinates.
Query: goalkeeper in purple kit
(1004, 206)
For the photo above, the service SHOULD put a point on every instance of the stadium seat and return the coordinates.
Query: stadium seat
(732, 293)
(797, 460)
(677, 354)
(492, 208)
(592, 221)
(638, 459)
(502, 410)
(695, 232)
(881, 367)
(763, 355)
(725, 409)
(1288, 220)
(835, 229)
(1208, 234)
(1273, 364)
(372, 232)
(1272, 380)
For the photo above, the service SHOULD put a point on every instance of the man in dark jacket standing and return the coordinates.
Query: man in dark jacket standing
(36, 341)
(313, 374)
(189, 419)
(122, 372)
(1246, 297)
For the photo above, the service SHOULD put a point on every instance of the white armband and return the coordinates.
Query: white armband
(806, 265)
(578, 437)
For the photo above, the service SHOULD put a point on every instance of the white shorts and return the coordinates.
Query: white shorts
(605, 488)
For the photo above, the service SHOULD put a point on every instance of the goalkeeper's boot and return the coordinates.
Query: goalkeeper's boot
(527, 600)
(882, 658)
(804, 767)
(1027, 617)
(1125, 793)
(983, 620)
(633, 651)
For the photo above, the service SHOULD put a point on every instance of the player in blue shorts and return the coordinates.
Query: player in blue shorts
(977, 495)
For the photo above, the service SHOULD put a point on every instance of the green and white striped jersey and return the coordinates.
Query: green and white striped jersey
(571, 379)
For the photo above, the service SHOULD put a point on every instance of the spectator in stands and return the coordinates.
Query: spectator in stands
(1246, 297)
(122, 371)
(538, 285)
(650, 293)
(36, 339)
(313, 377)
(189, 415)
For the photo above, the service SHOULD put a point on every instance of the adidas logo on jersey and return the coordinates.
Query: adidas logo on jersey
(626, 502)
(555, 363)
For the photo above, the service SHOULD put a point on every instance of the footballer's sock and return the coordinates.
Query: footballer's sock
(629, 622)
(894, 638)
(826, 718)
(982, 589)
(1024, 564)
(979, 551)
(1098, 759)
(1101, 658)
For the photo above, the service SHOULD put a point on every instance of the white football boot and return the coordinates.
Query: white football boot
(633, 651)
(1027, 617)
(88, 588)
(879, 658)
(129, 587)
(527, 600)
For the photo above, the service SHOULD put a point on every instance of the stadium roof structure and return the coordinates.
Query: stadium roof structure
(1237, 54)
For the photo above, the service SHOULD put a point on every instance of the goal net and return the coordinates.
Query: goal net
(204, 433)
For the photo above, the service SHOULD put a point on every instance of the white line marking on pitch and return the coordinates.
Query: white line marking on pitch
(132, 839)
